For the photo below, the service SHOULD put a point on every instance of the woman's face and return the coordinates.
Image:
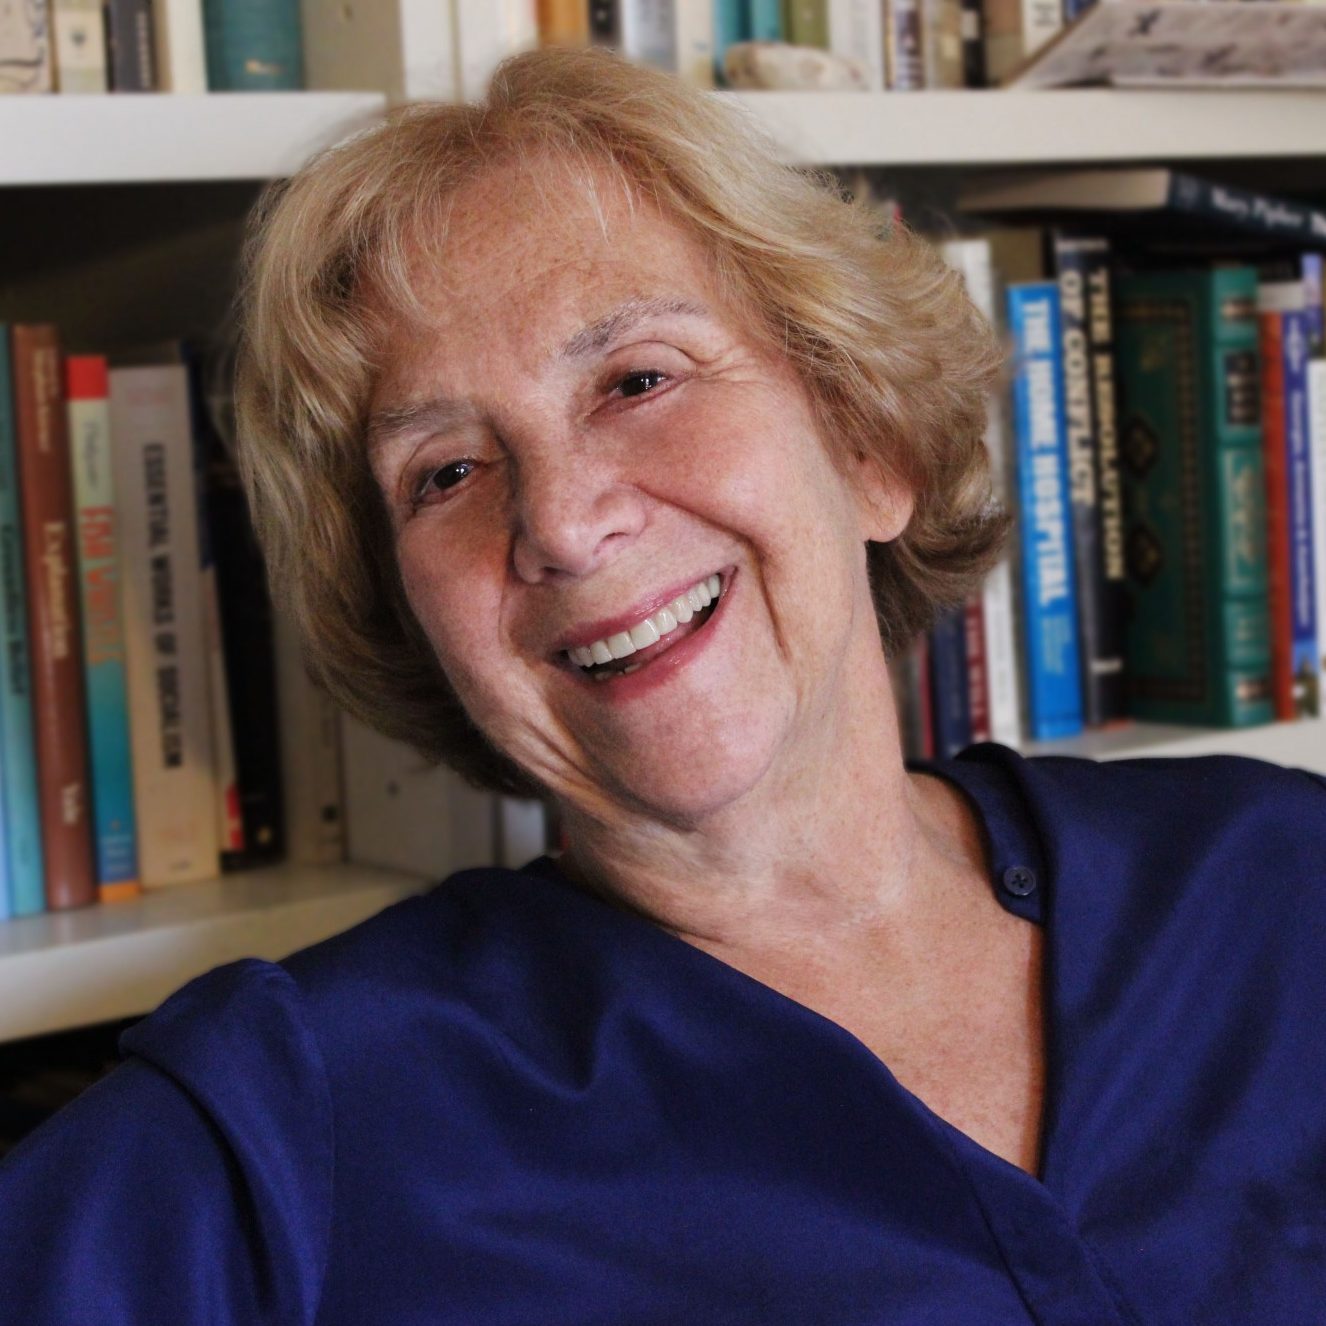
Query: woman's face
(584, 441)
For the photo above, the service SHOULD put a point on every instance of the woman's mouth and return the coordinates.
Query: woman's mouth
(628, 651)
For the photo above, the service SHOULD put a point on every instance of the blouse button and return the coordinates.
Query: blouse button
(1019, 881)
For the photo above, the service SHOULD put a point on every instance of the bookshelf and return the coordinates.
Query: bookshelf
(127, 155)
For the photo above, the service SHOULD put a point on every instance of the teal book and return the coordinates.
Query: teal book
(24, 864)
(731, 25)
(1190, 437)
(766, 20)
(253, 45)
(112, 786)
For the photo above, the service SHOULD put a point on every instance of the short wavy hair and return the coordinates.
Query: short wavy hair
(896, 361)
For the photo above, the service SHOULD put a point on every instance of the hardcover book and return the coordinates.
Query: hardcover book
(21, 860)
(45, 488)
(1317, 436)
(563, 22)
(170, 724)
(950, 700)
(649, 32)
(132, 63)
(181, 56)
(1198, 638)
(25, 47)
(693, 40)
(80, 46)
(1049, 607)
(806, 23)
(96, 522)
(253, 45)
(856, 30)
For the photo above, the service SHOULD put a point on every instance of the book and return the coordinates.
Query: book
(909, 676)
(1317, 434)
(605, 22)
(941, 43)
(649, 32)
(485, 35)
(25, 48)
(974, 258)
(856, 30)
(978, 681)
(1153, 194)
(1083, 274)
(179, 49)
(806, 23)
(563, 22)
(694, 40)
(129, 46)
(1015, 30)
(1303, 570)
(310, 735)
(1049, 609)
(253, 45)
(950, 700)
(731, 26)
(96, 522)
(903, 45)
(170, 723)
(21, 865)
(80, 46)
(974, 73)
(1197, 645)
(45, 488)
(767, 20)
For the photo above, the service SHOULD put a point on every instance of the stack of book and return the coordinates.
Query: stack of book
(90, 46)
(139, 739)
(1166, 460)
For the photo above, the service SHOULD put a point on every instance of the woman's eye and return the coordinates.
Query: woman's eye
(445, 476)
(637, 384)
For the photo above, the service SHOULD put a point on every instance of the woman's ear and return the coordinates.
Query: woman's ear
(884, 502)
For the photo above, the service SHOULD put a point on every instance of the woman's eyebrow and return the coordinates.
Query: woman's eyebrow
(435, 414)
(622, 319)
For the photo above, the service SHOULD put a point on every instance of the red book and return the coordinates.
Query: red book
(51, 568)
(978, 675)
(1276, 464)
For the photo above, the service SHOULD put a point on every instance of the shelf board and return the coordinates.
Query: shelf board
(1301, 745)
(1006, 127)
(130, 138)
(116, 960)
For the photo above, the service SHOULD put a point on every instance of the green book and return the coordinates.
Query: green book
(253, 45)
(806, 22)
(1198, 633)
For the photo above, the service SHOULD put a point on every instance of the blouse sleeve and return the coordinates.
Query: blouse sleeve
(191, 1185)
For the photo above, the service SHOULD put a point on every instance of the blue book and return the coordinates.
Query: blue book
(20, 850)
(253, 45)
(1049, 595)
(1304, 657)
(766, 20)
(1312, 272)
(950, 699)
(731, 25)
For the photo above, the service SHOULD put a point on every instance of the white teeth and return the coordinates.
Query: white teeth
(650, 630)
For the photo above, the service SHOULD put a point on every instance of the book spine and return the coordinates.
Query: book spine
(1054, 681)
(563, 23)
(941, 43)
(1275, 464)
(1074, 9)
(766, 21)
(23, 865)
(80, 46)
(310, 735)
(649, 32)
(973, 44)
(1304, 626)
(170, 727)
(103, 629)
(978, 687)
(181, 58)
(856, 30)
(1317, 434)
(253, 45)
(1244, 209)
(129, 46)
(806, 23)
(1312, 272)
(951, 713)
(694, 41)
(1190, 430)
(605, 26)
(904, 65)
(25, 49)
(46, 502)
(731, 25)
(911, 700)
(1100, 628)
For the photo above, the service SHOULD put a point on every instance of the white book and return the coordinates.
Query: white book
(649, 32)
(485, 34)
(25, 48)
(310, 755)
(856, 30)
(181, 56)
(80, 46)
(1317, 435)
(694, 40)
(165, 652)
(972, 258)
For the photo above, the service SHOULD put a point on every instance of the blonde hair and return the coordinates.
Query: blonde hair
(896, 361)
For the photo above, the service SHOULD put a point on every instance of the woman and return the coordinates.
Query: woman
(602, 456)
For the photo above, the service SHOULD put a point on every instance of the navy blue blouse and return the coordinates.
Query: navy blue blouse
(508, 1102)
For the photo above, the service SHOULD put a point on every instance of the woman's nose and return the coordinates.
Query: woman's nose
(572, 513)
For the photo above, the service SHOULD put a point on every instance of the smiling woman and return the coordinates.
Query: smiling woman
(602, 455)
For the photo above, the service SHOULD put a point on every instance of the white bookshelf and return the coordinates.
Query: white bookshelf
(138, 138)
(1010, 128)
(118, 960)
